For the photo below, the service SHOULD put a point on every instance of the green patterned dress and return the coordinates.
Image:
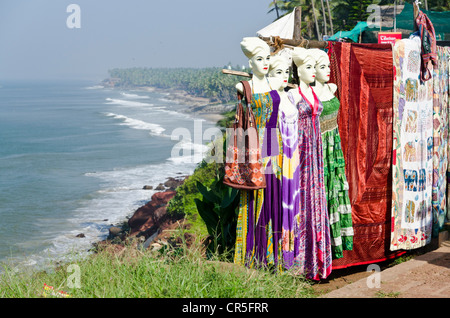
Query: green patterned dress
(336, 185)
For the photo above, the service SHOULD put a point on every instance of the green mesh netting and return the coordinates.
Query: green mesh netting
(440, 20)
(404, 23)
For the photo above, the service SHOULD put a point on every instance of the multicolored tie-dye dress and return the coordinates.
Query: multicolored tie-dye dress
(290, 180)
(314, 257)
(265, 234)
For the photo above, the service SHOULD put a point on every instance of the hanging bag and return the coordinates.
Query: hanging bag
(428, 45)
(243, 166)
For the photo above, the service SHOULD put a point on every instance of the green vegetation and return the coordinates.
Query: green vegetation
(171, 272)
(318, 15)
(174, 271)
(382, 294)
(227, 120)
(219, 210)
(207, 204)
(203, 82)
(183, 203)
(202, 269)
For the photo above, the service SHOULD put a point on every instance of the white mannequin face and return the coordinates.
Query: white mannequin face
(307, 71)
(323, 71)
(281, 72)
(260, 62)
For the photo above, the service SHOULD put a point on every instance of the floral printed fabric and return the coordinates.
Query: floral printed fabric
(314, 258)
(447, 53)
(440, 136)
(336, 185)
(412, 174)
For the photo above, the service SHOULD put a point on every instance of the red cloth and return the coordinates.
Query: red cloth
(364, 76)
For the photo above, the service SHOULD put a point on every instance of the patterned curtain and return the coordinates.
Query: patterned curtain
(364, 76)
(412, 179)
(440, 139)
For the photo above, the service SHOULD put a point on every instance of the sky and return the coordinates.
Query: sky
(42, 39)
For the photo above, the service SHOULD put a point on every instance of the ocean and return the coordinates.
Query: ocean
(74, 157)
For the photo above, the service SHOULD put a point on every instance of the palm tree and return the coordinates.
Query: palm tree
(315, 19)
(348, 12)
(330, 17)
(276, 8)
(439, 5)
(309, 13)
(325, 31)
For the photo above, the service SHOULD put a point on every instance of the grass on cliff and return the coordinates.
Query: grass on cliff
(174, 273)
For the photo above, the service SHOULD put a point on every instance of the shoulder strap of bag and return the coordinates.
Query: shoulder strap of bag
(247, 92)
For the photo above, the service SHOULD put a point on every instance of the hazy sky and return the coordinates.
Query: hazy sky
(36, 43)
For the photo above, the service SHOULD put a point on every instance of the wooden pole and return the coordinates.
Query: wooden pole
(416, 13)
(395, 16)
(237, 73)
(245, 74)
(302, 43)
(297, 24)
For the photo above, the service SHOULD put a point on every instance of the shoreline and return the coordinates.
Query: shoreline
(149, 223)
(197, 106)
(191, 105)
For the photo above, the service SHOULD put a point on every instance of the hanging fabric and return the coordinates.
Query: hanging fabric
(412, 149)
(447, 53)
(428, 45)
(440, 139)
(363, 74)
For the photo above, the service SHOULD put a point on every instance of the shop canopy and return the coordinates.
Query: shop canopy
(352, 34)
(404, 21)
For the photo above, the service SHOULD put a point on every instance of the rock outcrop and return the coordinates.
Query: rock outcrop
(149, 217)
(150, 223)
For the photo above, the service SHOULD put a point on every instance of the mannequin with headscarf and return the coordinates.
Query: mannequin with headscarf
(264, 233)
(280, 68)
(258, 53)
(314, 257)
(306, 73)
(336, 185)
(324, 90)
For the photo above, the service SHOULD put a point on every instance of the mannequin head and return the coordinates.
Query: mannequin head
(322, 65)
(258, 53)
(305, 63)
(279, 67)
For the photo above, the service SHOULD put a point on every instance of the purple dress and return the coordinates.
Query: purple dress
(290, 178)
(314, 258)
(266, 233)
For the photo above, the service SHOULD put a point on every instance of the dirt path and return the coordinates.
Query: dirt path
(425, 276)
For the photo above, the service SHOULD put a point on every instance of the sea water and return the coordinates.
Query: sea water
(74, 157)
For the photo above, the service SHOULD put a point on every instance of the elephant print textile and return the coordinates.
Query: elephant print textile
(411, 122)
(410, 211)
(411, 179)
(412, 149)
(409, 152)
(411, 90)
